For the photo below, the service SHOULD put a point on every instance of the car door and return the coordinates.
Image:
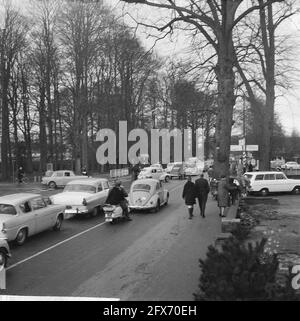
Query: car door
(270, 182)
(44, 215)
(158, 174)
(67, 177)
(282, 183)
(105, 187)
(26, 217)
(58, 178)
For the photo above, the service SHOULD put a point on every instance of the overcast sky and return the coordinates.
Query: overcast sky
(287, 106)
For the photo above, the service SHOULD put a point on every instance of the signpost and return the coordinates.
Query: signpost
(242, 147)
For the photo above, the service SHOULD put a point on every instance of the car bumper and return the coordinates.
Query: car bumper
(137, 207)
(70, 212)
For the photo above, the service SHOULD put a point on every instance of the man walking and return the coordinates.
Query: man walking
(188, 195)
(202, 190)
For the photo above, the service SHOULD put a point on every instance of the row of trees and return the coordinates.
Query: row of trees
(247, 57)
(70, 69)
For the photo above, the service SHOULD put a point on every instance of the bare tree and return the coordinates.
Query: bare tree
(215, 20)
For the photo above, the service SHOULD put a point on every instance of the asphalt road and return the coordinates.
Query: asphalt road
(153, 257)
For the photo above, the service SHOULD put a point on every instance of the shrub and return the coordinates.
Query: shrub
(237, 273)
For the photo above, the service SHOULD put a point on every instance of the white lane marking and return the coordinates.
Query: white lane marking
(68, 239)
(55, 245)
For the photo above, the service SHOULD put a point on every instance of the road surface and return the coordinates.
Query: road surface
(153, 257)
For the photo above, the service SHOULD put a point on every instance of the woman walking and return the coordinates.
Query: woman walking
(189, 195)
(223, 195)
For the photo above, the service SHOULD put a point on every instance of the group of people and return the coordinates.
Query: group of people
(228, 192)
(198, 190)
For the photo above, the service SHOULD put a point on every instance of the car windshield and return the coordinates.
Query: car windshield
(7, 209)
(80, 188)
(141, 187)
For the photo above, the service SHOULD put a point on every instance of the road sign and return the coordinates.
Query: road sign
(236, 148)
(252, 148)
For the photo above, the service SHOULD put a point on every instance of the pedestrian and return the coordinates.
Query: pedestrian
(202, 190)
(250, 167)
(223, 195)
(21, 174)
(234, 191)
(84, 171)
(135, 172)
(210, 173)
(188, 195)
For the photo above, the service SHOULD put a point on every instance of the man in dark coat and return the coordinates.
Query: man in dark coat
(117, 196)
(189, 195)
(202, 190)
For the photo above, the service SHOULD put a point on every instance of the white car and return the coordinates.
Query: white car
(154, 172)
(169, 167)
(147, 194)
(26, 214)
(60, 178)
(83, 197)
(157, 165)
(290, 165)
(270, 182)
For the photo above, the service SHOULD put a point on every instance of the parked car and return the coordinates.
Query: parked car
(290, 165)
(26, 214)
(61, 178)
(270, 182)
(157, 165)
(83, 197)
(154, 172)
(178, 170)
(147, 194)
(4, 252)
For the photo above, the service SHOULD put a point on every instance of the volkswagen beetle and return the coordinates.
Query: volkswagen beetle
(147, 194)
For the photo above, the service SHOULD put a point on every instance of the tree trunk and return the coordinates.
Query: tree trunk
(226, 101)
(42, 136)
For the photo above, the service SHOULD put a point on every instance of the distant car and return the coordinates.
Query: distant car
(157, 165)
(290, 165)
(83, 197)
(178, 170)
(60, 178)
(154, 172)
(270, 182)
(26, 214)
(169, 167)
(4, 252)
(192, 171)
(147, 194)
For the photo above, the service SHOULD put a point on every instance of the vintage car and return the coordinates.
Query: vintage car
(147, 194)
(26, 214)
(60, 178)
(83, 197)
(4, 252)
(272, 182)
(154, 172)
(290, 165)
(178, 170)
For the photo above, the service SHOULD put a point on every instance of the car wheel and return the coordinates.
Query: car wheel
(3, 258)
(157, 207)
(58, 223)
(296, 190)
(95, 212)
(21, 237)
(167, 178)
(52, 185)
(264, 192)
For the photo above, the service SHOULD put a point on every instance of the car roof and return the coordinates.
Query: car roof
(263, 172)
(148, 181)
(15, 199)
(87, 181)
(63, 170)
